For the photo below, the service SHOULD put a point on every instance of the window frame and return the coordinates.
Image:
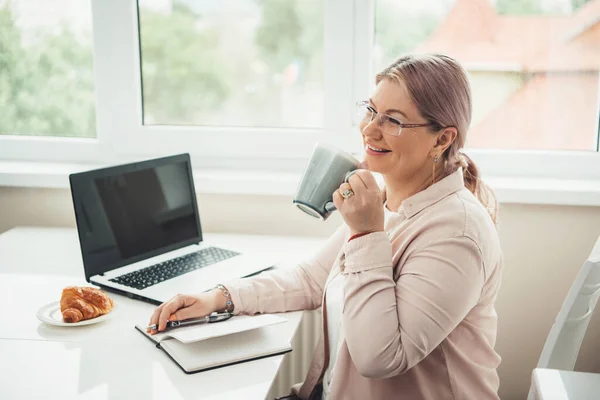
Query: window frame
(119, 71)
(348, 77)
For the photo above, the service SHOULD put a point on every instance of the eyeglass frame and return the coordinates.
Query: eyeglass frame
(379, 116)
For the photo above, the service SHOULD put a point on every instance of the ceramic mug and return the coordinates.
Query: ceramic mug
(327, 169)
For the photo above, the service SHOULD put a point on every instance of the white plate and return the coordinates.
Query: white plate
(51, 314)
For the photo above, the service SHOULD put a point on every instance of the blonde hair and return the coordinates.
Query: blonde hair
(439, 87)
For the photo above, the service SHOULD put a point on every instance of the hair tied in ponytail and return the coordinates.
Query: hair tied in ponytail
(461, 160)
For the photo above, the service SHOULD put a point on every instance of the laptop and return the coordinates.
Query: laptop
(140, 234)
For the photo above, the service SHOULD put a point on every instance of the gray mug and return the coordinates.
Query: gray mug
(327, 169)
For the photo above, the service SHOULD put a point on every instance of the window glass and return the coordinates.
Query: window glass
(533, 64)
(46, 71)
(232, 62)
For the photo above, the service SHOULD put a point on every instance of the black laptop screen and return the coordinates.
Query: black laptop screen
(129, 213)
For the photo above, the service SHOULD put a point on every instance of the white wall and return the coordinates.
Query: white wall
(544, 247)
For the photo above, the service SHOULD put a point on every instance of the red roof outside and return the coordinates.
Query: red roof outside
(557, 107)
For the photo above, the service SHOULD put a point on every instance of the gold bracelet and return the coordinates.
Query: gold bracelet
(229, 303)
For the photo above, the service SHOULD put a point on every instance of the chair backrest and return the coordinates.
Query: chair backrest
(565, 338)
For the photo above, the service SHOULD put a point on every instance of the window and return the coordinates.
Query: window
(252, 85)
(46, 74)
(246, 63)
(533, 65)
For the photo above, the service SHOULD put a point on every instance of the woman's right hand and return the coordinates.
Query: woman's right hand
(183, 307)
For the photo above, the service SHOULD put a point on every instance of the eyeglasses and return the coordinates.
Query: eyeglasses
(388, 124)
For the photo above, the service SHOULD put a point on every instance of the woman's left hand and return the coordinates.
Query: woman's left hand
(363, 211)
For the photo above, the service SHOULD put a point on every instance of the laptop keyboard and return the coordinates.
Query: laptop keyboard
(144, 278)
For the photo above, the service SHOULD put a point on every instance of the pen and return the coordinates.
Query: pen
(208, 319)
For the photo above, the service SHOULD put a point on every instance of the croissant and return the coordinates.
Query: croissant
(80, 303)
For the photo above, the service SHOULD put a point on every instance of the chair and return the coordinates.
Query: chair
(566, 335)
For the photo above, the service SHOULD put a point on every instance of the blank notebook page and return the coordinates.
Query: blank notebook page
(227, 349)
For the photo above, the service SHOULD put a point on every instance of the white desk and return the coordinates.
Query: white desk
(552, 384)
(108, 360)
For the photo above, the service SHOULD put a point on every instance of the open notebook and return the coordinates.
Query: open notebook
(202, 347)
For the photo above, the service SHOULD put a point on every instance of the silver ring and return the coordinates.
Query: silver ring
(346, 194)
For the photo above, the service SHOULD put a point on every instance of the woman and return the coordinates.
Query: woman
(407, 288)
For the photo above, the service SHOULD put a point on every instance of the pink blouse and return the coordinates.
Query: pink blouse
(418, 318)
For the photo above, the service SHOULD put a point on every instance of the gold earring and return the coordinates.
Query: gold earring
(435, 160)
